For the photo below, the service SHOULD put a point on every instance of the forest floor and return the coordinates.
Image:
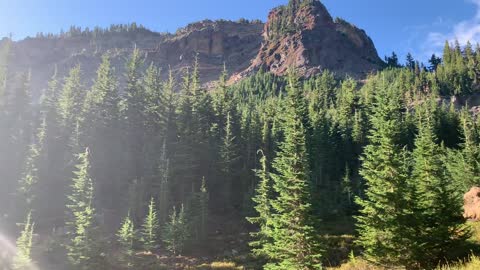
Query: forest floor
(226, 248)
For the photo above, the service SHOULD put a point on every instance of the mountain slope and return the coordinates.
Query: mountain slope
(301, 34)
(304, 35)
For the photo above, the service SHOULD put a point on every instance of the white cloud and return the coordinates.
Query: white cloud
(464, 31)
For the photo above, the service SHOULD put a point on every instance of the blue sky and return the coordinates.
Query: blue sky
(416, 26)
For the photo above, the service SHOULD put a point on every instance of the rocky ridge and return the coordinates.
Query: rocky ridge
(311, 41)
(304, 35)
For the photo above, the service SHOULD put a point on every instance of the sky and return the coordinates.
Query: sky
(416, 26)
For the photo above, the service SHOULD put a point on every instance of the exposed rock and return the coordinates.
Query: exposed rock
(471, 204)
(215, 42)
(308, 39)
(313, 41)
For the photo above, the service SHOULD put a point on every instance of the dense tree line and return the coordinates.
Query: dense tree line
(149, 162)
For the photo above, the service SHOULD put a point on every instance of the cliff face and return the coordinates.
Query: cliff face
(306, 37)
(301, 34)
(216, 43)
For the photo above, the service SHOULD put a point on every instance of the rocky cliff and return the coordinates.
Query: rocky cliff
(215, 42)
(301, 34)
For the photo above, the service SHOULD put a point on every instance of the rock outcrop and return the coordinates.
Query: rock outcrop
(304, 35)
(471, 204)
(301, 34)
(215, 42)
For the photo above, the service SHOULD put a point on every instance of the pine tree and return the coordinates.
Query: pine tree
(23, 258)
(30, 176)
(295, 244)
(81, 248)
(164, 188)
(155, 113)
(134, 117)
(464, 163)
(228, 158)
(150, 228)
(410, 63)
(434, 62)
(386, 206)
(392, 61)
(100, 127)
(197, 211)
(126, 236)
(70, 101)
(176, 232)
(441, 229)
(263, 208)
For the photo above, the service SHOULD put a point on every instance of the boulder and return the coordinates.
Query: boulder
(471, 204)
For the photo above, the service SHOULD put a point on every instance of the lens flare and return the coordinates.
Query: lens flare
(8, 251)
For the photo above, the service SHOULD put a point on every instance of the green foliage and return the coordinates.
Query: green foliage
(126, 237)
(23, 257)
(328, 140)
(176, 232)
(81, 247)
(294, 243)
(198, 212)
(150, 228)
(441, 229)
(70, 101)
(30, 176)
(100, 127)
(263, 208)
(385, 210)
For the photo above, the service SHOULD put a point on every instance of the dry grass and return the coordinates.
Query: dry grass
(472, 264)
(220, 266)
(358, 264)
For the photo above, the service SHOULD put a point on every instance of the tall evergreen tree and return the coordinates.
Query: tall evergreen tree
(81, 247)
(100, 128)
(410, 62)
(176, 232)
(23, 257)
(228, 158)
(150, 228)
(30, 176)
(439, 209)
(134, 117)
(126, 237)
(70, 101)
(263, 196)
(295, 244)
(386, 207)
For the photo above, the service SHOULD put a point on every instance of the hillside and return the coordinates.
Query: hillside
(316, 42)
(303, 160)
(305, 36)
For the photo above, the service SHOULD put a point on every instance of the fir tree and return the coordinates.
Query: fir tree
(100, 127)
(133, 116)
(150, 228)
(176, 232)
(70, 101)
(164, 188)
(81, 248)
(229, 157)
(126, 236)
(263, 208)
(434, 61)
(295, 244)
(410, 62)
(23, 258)
(439, 210)
(386, 207)
(30, 175)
